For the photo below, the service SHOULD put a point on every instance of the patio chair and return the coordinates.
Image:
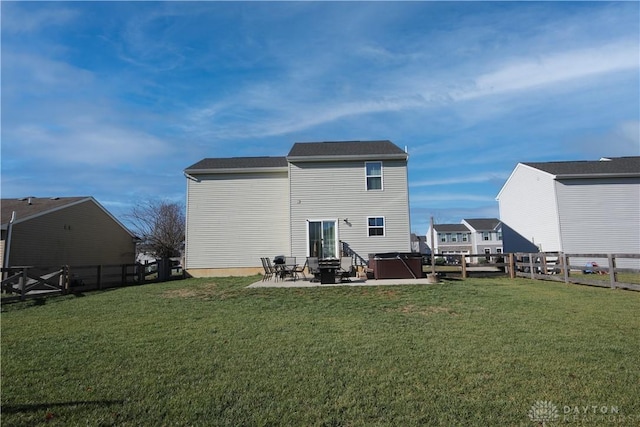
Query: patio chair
(267, 271)
(346, 267)
(314, 267)
(291, 268)
(275, 271)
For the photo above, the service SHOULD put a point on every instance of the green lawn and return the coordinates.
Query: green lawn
(212, 352)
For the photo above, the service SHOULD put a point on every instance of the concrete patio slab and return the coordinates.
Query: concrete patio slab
(354, 282)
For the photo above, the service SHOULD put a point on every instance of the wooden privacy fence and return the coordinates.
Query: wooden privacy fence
(604, 270)
(29, 281)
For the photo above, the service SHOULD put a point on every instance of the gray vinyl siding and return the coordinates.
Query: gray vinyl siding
(235, 219)
(337, 190)
(600, 215)
(528, 205)
(79, 235)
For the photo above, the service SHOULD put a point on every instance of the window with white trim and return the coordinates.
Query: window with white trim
(373, 172)
(375, 226)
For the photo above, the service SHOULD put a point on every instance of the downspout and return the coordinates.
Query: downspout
(7, 243)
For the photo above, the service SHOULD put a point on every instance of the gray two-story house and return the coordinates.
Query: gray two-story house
(471, 236)
(322, 199)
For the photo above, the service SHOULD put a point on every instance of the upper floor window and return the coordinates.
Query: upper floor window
(375, 226)
(486, 235)
(465, 237)
(499, 234)
(374, 175)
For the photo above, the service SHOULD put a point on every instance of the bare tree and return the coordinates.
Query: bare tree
(160, 225)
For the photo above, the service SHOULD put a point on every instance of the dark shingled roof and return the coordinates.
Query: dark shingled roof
(239, 163)
(38, 205)
(451, 228)
(346, 148)
(614, 166)
(483, 224)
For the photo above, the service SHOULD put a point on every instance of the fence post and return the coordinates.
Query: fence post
(612, 270)
(565, 267)
(61, 280)
(463, 265)
(512, 266)
(23, 284)
(533, 276)
(99, 274)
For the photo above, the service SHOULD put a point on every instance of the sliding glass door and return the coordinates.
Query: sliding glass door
(323, 239)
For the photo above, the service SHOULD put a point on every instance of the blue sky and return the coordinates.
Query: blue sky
(115, 99)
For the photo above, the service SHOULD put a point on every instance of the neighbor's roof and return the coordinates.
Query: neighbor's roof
(26, 207)
(332, 150)
(614, 166)
(237, 163)
(483, 224)
(451, 228)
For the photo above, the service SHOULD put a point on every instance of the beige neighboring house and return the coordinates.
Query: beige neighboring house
(50, 232)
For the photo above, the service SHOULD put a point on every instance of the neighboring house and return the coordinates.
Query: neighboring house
(51, 232)
(471, 236)
(323, 199)
(450, 239)
(419, 244)
(486, 235)
(582, 207)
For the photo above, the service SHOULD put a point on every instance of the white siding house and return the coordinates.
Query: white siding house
(322, 199)
(575, 207)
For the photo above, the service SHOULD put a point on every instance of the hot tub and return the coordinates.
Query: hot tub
(396, 265)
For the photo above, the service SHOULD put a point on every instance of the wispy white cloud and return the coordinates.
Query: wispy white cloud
(529, 74)
(485, 177)
(452, 196)
(28, 20)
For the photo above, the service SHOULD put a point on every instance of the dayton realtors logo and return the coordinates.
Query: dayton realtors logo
(544, 412)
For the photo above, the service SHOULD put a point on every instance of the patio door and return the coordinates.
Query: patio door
(323, 239)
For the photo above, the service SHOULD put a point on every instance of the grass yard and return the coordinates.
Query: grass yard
(211, 352)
